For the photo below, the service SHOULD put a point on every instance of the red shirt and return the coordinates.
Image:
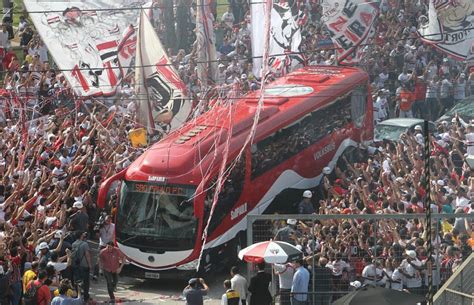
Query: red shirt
(406, 99)
(110, 259)
(420, 90)
(44, 295)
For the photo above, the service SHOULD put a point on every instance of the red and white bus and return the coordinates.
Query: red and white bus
(309, 118)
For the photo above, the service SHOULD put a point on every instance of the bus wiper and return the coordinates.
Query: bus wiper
(128, 239)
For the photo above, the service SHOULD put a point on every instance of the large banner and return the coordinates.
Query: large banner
(450, 27)
(350, 25)
(206, 43)
(85, 39)
(160, 92)
(285, 39)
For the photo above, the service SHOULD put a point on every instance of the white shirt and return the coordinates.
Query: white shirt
(403, 77)
(462, 202)
(397, 280)
(106, 234)
(445, 88)
(239, 284)
(410, 270)
(338, 267)
(285, 275)
(370, 272)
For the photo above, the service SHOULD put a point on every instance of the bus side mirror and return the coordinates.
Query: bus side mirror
(105, 186)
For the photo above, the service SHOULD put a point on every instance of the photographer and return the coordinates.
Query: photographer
(195, 290)
(63, 299)
(106, 234)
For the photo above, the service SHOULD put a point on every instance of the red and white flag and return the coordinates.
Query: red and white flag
(350, 25)
(75, 32)
(161, 94)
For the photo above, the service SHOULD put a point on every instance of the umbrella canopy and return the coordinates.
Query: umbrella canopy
(379, 296)
(271, 252)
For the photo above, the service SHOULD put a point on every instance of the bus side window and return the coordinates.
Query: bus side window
(228, 196)
(359, 105)
(295, 138)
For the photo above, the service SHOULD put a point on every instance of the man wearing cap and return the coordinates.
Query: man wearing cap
(306, 206)
(44, 254)
(111, 262)
(193, 293)
(288, 233)
(409, 268)
(80, 220)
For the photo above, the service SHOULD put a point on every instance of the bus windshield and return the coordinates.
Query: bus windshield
(156, 216)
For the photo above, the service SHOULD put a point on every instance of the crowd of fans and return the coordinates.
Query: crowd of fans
(54, 154)
(389, 253)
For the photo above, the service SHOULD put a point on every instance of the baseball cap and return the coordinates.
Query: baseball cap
(43, 245)
(192, 281)
(78, 205)
(307, 194)
(291, 222)
(418, 127)
(411, 253)
(58, 234)
(326, 170)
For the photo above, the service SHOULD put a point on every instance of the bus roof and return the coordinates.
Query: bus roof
(185, 155)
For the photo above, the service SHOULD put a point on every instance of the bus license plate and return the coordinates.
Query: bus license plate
(152, 275)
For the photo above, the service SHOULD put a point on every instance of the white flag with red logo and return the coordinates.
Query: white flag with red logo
(350, 25)
(161, 94)
(449, 27)
(84, 37)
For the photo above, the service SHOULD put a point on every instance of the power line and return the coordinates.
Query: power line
(130, 8)
(249, 57)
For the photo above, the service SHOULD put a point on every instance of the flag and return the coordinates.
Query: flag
(350, 26)
(206, 44)
(449, 27)
(161, 94)
(75, 32)
(285, 40)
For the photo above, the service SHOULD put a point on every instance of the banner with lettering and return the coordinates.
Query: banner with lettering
(450, 27)
(85, 39)
(350, 25)
(285, 39)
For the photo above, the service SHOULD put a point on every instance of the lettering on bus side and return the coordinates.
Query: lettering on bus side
(238, 211)
(325, 150)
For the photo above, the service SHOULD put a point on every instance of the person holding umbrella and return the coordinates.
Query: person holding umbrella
(259, 287)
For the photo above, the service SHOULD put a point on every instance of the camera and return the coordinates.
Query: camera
(100, 222)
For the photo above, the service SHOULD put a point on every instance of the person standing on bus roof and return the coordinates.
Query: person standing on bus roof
(306, 206)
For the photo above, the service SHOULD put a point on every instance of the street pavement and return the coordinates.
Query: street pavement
(132, 291)
(148, 292)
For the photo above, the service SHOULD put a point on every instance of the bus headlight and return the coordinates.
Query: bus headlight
(192, 265)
